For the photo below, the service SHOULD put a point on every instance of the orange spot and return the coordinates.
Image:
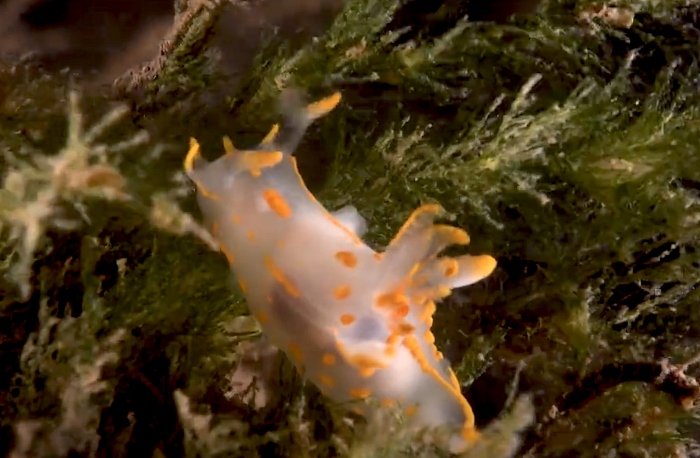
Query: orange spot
(262, 317)
(367, 371)
(378, 256)
(281, 244)
(404, 329)
(295, 352)
(360, 393)
(326, 380)
(278, 275)
(243, 286)
(328, 359)
(411, 410)
(366, 361)
(347, 319)
(277, 203)
(386, 300)
(401, 311)
(255, 161)
(224, 250)
(236, 218)
(357, 410)
(394, 300)
(452, 267)
(387, 402)
(393, 339)
(347, 258)
(251, 235)
(360, 361)
(214, 229)
(342, 292)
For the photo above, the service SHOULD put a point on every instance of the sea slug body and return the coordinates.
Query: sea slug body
(355, 322)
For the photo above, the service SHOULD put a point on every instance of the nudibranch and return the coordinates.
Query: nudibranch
(354, 321)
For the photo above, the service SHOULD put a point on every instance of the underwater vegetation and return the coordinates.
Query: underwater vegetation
(563, 140)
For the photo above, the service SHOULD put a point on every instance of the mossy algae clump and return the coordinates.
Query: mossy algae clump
(564, 141)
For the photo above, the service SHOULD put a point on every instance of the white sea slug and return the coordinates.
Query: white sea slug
(355, 322)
